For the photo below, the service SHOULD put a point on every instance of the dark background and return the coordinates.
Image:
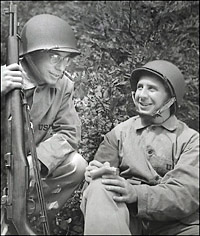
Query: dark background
(114, 38)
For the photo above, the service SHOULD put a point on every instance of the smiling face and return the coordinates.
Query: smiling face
(47, 67)
(150, 94)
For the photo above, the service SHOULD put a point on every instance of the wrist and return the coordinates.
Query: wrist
(134, 194)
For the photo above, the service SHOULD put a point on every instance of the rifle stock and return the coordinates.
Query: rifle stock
(17, 167)
(16, 163)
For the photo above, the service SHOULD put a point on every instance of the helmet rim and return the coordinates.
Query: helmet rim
(174, 80)
(46, 32)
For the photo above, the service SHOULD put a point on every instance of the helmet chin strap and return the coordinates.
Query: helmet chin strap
(166, 106)
(159, 112)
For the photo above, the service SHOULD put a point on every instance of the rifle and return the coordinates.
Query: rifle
(15, 194)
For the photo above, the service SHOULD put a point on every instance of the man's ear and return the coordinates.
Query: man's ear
(30, 67)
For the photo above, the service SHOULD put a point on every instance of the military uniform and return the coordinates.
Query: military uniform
(162, 162)
(57, 132)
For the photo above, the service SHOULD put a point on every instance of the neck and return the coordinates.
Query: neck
(157, 119)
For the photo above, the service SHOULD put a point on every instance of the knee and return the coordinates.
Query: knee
(79, 162)
(96, 187)
(79, 165)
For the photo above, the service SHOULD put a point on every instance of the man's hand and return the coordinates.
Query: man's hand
(11, 78)
(125, 192)
(31, 171)
(92, 168)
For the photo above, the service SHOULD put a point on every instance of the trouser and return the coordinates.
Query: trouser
(104, 216)
(60, 185)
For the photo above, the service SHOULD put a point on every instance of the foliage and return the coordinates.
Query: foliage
(114, 38)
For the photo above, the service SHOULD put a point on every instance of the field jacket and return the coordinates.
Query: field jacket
(162, 162)
(57, 127)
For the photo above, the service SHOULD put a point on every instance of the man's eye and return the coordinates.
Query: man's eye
(54, 57)
(139, 87)
(66, 59)
(151, 88)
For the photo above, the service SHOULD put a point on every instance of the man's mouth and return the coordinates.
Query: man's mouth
(144, 104)
(56, 76)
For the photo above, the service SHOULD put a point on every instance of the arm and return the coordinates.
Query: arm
(66, 134)
(108, 150)
(177, 196)
(107, 153)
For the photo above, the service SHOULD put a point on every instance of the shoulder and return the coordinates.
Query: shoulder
(186, 134)
(126, 126)
(184, 129)
(127, 123)
(65, 84)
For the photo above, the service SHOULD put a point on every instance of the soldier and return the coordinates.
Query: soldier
(46, 46)
(157, 156)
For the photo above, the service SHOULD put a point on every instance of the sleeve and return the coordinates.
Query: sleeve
(108, 149)
(177, 196)
(66, 136)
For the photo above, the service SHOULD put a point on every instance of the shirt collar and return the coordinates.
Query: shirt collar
(170, 124)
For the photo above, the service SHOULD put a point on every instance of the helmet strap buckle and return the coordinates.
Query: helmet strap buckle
(166, 106)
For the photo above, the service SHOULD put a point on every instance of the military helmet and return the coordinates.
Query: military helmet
(47, 32)
(168, 72)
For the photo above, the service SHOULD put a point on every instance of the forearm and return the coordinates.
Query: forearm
(53, 151)
(173, 199)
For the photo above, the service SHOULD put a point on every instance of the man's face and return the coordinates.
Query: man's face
(150, 95)
(50, 66)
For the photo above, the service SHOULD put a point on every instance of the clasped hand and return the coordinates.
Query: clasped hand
(125, 192)
(11, 78)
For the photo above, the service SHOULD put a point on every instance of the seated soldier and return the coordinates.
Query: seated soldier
(144, 179)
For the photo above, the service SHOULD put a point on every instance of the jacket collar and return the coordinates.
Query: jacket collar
(170, 124)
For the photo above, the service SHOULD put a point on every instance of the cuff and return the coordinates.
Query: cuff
(142, 203)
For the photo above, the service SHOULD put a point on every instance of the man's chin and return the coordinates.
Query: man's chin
(145, 112)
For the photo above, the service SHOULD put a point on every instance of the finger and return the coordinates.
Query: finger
(88, 178)
(107, 164)
(101, 171)
(15, 73)
(119, 198)
(10, 79)
(111, 176)
(8, 86)
(9, 74)
(96, 163)
(14, 66)
(113, 182)
(87, 173)
(89, 168)
(115, 189)
(16, 85)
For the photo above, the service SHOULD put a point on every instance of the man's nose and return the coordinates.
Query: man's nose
(143, 93)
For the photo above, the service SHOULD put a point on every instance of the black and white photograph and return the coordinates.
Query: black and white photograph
(99, 118)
